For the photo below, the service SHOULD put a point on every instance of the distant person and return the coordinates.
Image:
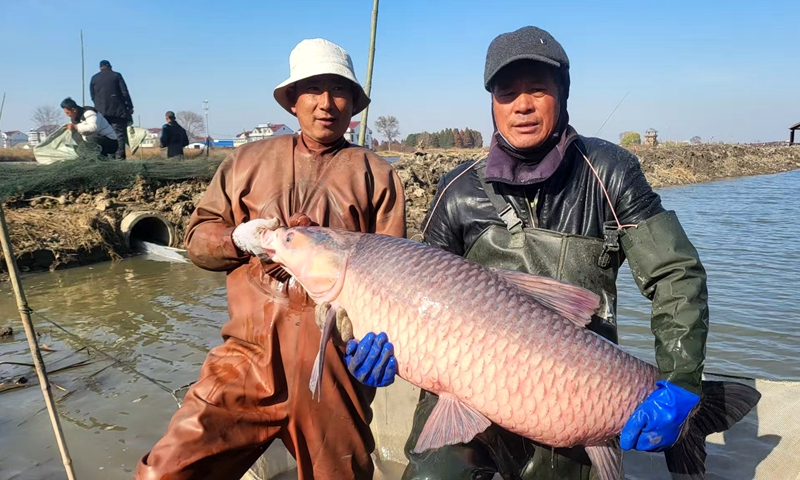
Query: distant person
(111, 99)
(173, 136)
(93, 126)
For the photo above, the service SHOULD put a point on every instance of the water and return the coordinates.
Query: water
(162, 317)
(747, 232)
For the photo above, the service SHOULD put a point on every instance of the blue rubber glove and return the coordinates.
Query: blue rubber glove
(371, 360)
(657, 423)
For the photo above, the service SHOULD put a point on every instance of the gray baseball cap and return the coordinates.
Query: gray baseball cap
(527, 43)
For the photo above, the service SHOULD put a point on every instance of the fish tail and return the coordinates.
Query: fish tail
(722, 405)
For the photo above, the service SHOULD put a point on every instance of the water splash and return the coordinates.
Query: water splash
(160, 253)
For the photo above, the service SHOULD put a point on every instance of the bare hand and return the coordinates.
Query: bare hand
(71, 126)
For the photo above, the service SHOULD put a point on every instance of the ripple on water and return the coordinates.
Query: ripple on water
(747, 233)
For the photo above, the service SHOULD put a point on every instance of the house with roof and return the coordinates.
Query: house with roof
(39, 135)
(260, 132)
(12, 139)
(151, 140)
(354, 130)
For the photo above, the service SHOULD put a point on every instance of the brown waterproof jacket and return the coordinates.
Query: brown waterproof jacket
(260, 376)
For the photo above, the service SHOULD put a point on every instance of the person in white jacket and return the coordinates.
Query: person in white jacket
(91, 125)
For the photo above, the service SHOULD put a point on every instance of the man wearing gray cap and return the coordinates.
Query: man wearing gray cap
(550, 202)
(253, 389)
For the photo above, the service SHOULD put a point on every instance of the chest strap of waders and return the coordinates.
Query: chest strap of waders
(504, 209)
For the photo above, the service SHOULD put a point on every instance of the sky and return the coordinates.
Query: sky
(723, 70)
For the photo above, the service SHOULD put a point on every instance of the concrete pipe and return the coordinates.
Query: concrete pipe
(148, 227)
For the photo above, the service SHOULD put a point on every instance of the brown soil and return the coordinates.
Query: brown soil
(60, 232)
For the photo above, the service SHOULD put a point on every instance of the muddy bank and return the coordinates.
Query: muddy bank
(65, 229)
(49, 232)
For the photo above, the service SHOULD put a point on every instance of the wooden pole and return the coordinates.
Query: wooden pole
(362, 134)
(24, 313)
(83, 74)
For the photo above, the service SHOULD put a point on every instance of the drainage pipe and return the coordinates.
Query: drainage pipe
(148, 226)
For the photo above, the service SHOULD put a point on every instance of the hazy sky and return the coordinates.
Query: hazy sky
(723, 69)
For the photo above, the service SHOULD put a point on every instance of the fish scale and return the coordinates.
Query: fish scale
(495, 345)
(558, 399)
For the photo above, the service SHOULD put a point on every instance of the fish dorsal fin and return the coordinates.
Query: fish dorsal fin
(449, 423)
(574, 303)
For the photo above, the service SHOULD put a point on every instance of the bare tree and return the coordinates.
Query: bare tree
(47, 117)
(193, 123)
(696, 140)
(389, 127)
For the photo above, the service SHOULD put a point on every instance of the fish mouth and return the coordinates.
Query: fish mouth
(268, 239)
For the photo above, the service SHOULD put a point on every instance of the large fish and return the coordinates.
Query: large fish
(496, 346)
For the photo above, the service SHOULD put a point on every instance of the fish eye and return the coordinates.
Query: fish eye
(289, 237)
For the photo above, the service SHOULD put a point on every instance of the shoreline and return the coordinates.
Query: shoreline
(56, 230)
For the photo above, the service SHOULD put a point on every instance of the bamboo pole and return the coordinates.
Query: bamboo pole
(83, 74)
(24, 313)
(362, 134)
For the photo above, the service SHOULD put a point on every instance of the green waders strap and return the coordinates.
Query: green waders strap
(505, 210)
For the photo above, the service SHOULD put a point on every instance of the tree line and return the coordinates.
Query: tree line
(447, 138)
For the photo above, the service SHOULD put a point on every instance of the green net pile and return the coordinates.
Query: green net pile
(22, 181)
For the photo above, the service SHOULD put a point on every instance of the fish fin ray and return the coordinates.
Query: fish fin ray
(315, 383)
(574, 303)
(607, 460)
(722, 405)
(450, 422)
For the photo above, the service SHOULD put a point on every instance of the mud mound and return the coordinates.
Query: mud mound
(685, 164)
(420, 173)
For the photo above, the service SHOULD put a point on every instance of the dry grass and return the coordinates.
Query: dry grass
(188, 153)
(67, 229)
(16, 154)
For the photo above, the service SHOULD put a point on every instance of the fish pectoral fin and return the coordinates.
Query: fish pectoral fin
(574, 303)
(607, 460)
(315, 383)
(450, 422)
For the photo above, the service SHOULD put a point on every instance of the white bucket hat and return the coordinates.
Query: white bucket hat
(318, 56)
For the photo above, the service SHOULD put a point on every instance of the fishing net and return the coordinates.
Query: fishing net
(92, 172)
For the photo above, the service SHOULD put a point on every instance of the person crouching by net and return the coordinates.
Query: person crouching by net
(95, 130)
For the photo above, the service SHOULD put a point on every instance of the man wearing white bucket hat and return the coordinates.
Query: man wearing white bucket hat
(253, 388)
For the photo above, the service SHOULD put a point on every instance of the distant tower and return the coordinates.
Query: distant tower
(651, 137)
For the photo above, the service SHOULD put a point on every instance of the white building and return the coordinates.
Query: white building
(151, 140)
(354, 130)
(39, 135)
(260, 132)
(12, 139)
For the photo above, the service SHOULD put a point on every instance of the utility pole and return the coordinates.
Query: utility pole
(208, 136)
(3, 104)
(83, 74)
(362, 134)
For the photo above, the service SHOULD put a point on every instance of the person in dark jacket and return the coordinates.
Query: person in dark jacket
(551, 202)
(173, 136)
(111, 98)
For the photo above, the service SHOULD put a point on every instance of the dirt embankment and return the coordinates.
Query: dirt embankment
(67, 228)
